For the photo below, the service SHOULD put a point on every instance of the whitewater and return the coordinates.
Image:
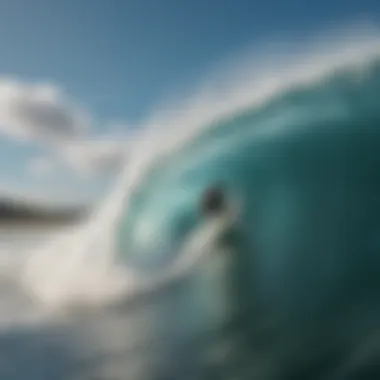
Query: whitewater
(283, 285)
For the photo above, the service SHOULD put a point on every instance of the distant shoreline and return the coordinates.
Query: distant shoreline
(12, 211)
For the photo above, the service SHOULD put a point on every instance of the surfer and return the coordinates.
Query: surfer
(216, 203)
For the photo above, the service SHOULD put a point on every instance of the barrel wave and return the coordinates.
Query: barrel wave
(304, 254)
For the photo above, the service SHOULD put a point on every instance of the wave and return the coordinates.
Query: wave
(303, 162)
(296, 144)
(182, 149)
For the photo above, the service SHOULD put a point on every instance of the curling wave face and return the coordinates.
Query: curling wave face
(304, 168)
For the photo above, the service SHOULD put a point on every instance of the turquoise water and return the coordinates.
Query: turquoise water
(303, 276)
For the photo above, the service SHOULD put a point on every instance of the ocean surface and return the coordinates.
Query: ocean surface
(283, 284)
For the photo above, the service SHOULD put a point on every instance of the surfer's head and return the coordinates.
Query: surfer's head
(214, 200)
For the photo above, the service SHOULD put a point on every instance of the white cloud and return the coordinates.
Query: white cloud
(42, 112)
(96, 156)
(40, 166)
(87, 158)
(39, 111)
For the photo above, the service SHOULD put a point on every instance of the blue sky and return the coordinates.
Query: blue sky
(119, 59)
